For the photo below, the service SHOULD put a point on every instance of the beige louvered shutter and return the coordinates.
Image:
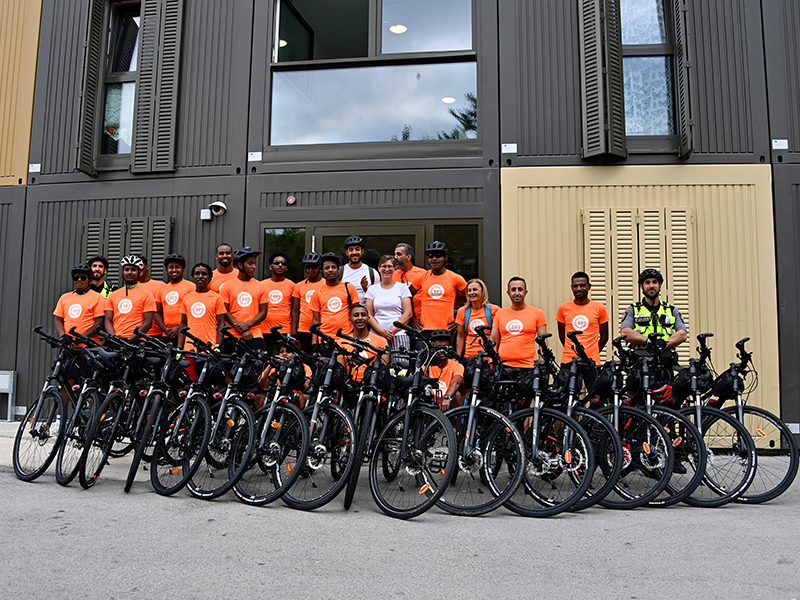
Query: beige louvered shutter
(160, 234)
(651, 238)
(92, 60)
(679, 251)
(624, 251)
(597, 254)
(93, 233)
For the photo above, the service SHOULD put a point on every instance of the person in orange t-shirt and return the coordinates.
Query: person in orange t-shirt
(477, 302)
(450, 373)
(202, 310)
(225, 271)
(82, 308)
(132, 306)
(516, 327)
(152, 286)
(170, 296)
(359, 317)
(278, 294)
(331, 303)
(301, 296)
(441, 290)
(406, 272)
(244, 301)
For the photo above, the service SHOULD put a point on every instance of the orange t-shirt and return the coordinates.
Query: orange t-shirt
(586, 318)
(518, 331)
(201, 310)
(152, 286)
(472, 342)
(357, 371)
(438, 298)
(171, 295)
(217, 279)
(445, 374)
(279, 298)
(244, 298)
(331, 303)
(304, 291)
(80, 310)
(413, 277)
(129, 309)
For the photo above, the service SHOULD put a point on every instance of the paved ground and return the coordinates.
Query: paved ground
(101, 543)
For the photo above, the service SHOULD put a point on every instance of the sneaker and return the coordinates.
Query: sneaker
(679, 468)
(55, 426)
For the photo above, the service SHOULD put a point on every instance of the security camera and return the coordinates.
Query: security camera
(218, 208)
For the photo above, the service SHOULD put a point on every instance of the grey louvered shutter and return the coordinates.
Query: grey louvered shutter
(92, 65)
(114, 248)
(682, 81)
(160, 233)
(615, 82)
(145, 87)
(93, 234)
(136, 238)
(592, 78)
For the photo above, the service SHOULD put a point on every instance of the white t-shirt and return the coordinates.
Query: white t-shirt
(354, 277)
(387, 304)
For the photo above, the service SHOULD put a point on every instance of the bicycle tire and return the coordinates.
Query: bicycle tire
(421, 478)
(177, 457)
(647, 459)
(36, 443)
(75, 437)
(555, 479)
(124, 442)
(362, 424)
(329, 462)
(101, 438)
(498, 464)
(608, 456)
(141, 445)
(776, 460)
(213, 478)
(731, 458)
(274, 465)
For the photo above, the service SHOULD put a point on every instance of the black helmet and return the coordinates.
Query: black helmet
(312, 258)
(650, 274)
(243, 253)
(174, 257)
(81, 268)
(131, 259)
(97, 258)
(330, 256)
(354, 240)
(436, 247)
(441, 334)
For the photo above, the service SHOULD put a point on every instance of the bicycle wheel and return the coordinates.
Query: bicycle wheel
(146, 439)
(776, 452)
(39, 435)
(421, 470)
(180, 445)
(487, 472)
(608, 456)
(100, 439)
(647, 458)
(276, 460)
(236, 429)
(690, 457)
(730, 458)
(558, 473)
(75, 436)
(363, 422)
(330, 459)
(124, 442)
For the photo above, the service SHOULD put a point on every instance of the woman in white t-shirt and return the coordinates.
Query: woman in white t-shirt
(387, 302)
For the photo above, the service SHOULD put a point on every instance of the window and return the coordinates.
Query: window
(634, 68)
(373, 71)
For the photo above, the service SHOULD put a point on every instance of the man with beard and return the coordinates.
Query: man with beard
(441, 290)
(132, 306)
(202, 309)
(99, 266)
(331, 303)
(278, 293)
(225, 271)
(516, 327)
(355, 272)
(170, 297)
(82, 308)
(408, 273)
(244, 300)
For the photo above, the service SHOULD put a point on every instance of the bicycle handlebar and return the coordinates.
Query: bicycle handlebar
(364, 345)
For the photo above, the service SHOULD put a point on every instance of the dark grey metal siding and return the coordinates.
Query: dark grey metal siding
(12, 218)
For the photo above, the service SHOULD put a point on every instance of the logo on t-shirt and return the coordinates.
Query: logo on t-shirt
(75, 311)
(436, 291)
(198, 310)
(172, 298)
(309, 293)
(580, 322)
(276, 296)
(125, 306)
(335, 304)
(244, 299)
(442, 387)
(475, 323)
(514, 327)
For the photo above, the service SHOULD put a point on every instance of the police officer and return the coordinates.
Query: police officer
(652, 315)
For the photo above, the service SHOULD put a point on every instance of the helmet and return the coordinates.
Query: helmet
(243, 253)
(175, 258)
(650, 274)
(436, 247)
(132, 259)
(441, 334)
(312, 258)
(81, 268)
(354, 240)
(330, 256)
(99, 258)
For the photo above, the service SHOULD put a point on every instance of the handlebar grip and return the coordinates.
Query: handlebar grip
(540, 339)
(573, 335)
(274, 330)
(740, 344)
(619, 339)
(314, 328)
(405, 328)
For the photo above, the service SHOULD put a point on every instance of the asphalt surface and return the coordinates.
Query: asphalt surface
(65, 542)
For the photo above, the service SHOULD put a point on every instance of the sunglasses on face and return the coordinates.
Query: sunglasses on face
(79, 278)
(279, 263)
(436, 255)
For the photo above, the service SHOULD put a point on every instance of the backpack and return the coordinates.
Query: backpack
(487, 308)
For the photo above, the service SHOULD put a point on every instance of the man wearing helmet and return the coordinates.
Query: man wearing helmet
(169, 298)
(83, 308)
(99, 266)
(358, 274)
(407, 272)
(441, 290)
(132, 306)
(244, 301)
(301, 296)
(651, 315)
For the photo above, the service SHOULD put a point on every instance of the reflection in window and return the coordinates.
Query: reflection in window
(125, 53)
(649, 95)
(426, 25)
(463, 248)
(643, 22)
(292, 242)
(314, 30)
(374, 104)
(118, 119)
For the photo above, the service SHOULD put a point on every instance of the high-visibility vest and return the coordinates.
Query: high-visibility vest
(646, 322)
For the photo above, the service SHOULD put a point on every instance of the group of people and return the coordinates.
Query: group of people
(441, 304)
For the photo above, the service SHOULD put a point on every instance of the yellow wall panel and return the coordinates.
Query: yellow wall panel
(19, 43)
(733, 255)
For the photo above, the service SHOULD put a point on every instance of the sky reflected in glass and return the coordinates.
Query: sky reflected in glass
(426, 25)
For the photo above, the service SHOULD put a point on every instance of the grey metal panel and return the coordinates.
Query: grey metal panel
(57, 213)
(383, 197)
(12, 218)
